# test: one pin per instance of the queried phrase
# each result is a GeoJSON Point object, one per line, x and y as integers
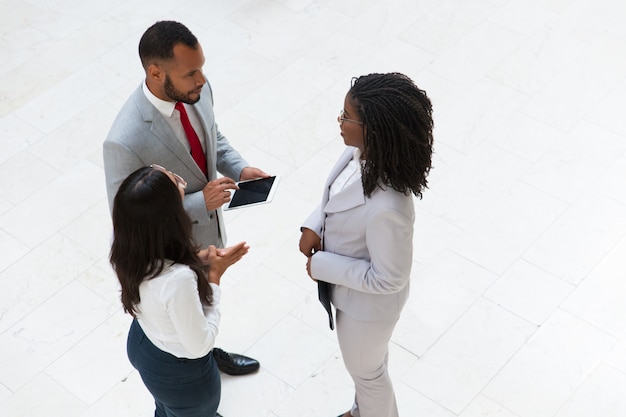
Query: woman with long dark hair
{"type": "Point", "coordinates": [172, 291]}
{"type": "Point", "coordinates": [359, 242]}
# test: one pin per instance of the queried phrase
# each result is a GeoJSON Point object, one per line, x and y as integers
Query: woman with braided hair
{"type": "Point", "coordinates": [359, 242]}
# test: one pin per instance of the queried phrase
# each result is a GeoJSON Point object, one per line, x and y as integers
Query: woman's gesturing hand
{"type": "Point", "coordinates": [220, 259]}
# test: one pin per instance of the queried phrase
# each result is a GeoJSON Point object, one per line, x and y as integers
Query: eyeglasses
{"type": "Point", "coordinates": [342, 119]}
{"type": "Point", "coordinates": [180, 181]}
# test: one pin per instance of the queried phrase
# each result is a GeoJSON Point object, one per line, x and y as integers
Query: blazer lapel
{"type": "Point", "coordinates": [351, 196]}
{"type": "Point", "coordinates": [163, 132]}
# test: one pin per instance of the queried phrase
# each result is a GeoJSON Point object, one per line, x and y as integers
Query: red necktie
{"type": "Point", "coordinates": [194, 142]}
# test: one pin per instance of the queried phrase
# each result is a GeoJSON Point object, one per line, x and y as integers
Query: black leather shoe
{"type": "Point", "coordinates": [233, 363]}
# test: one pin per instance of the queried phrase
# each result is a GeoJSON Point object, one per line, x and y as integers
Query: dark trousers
{"type": "Point", "coordinates": [180, 387]}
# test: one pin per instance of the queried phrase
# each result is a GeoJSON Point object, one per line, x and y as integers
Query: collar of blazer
{"type": "Point", "coordinates": [350, 197]}
{"type": "Point", "coordinates": [162, 131]}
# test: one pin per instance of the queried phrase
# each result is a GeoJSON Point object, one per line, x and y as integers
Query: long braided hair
{"type": "Point", "coordinates": [398, 132]}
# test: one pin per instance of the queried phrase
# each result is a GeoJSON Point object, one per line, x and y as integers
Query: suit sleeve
{"type": "Point", "coordinates": [389, 239]}
{"type": "Point", "coordinates": [119, 162]}
{"type": "Point", "coordinates": [314, 221]}
{"type": "Point", "coordinates": [230, 163]}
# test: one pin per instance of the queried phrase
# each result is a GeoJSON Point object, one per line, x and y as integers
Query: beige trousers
{"type": "Point", "coordinates": [365, 349]}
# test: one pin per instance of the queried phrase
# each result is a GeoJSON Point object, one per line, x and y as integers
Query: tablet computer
{"type": "Point", "coordinates": [253, 192]}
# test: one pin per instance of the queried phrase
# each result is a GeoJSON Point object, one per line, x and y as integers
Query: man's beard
{"type": "Point", "coordinates": [177, 95]}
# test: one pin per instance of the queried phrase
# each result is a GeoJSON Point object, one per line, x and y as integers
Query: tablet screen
{"type": "Point", "coordinates": [252, 192]}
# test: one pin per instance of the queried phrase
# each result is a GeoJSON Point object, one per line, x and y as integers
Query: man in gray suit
{"type": "Point", "coordinates": [169, 121]}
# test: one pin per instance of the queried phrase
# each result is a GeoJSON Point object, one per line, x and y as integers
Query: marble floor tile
{"type": "Point", "coordinates": [97, 363]}
{"type": "Point", "coordinates": [253, 395]}
{"type": "Point", "coordinates": [508, 227]}
{"type": "Point", "coordinates": [483, 406]}
{"type": "Point", "coordinates": [28, 83]}
{"type": "Point", "coordinates": [314, 25]}
{"type": "Point", "coordinates": [529, 292]}
{"type": "Point", "coordinates": [563, 352]}
{"type": "Point", "coordinates": [464, 194]}
{"type": "Point", "coordinates": [92, 230]}
{"type": "Point", "coordinates": [311, 312]}
{"type": "Point", "coordinates": [302, 135]}
{"type": "Point", "coordinates": [594, 87]}
{"type": "Point", "coordinates": [477, 113]}
{"type": "Point", "coordinates": [617, 357]}
{"type": "Point", "coordinates": [447, 23]}
{"type": "Point", "coordinates": [128, 398]}
{"type": "Point", "coordinates": [523, 16]}
{"type": "Point", "coordinates": [38, 340]}
{"type": "Point", "coordinates": [411, 402]}
{"type": "Point", "coordinates": [38, 217]}
{"type": "Point", "coordinates": [239, 75]}
{"type": "Point", "coordinates": [75, 139]}
{"type": "Point", "coordinates": [399, 56]}
{"type": "Point", "coordinates": [41, 396]}
{"type": "Point", "coordinates": [262, 16]}
{"type": "Point", "coordinates": [463, 361]}
{"type": "Point", "coordinates": [431, 236]}
{"type": "Point", "coordinates": [288, 262]}
{"type": "Point", "coordinates": [22, 289]}
{"type": "Point", "coordinates": [68, 94]}
{"type": "Point", "coordinates": [526, 137]}
{"type": "Point", "coordinates": [599, 299]}
{"type": "Point", "coordinates": [5, 205]}
{"type": "Point", "coordinates": [574, 245]}
{"type": "Point", "coordinates": [445, 161]}
{"type": "Point", "coordinates": [472, 58]}
{"type": "Point", "coordinates": [327, 392]}
{"type": "Point", "coordinates": [441, 293]}
{"type": "Point", "coordinates": [606, 113]}
{"type": "Point", "coordinates": [12, 251]}
{"type": "Point", "coordinates": [16, 180]}
{"type": "Point", "coordinates": [246, 316]}
{"type": "Point", "coordinates": [569, 171]}
{"type": "Point", "coordinates": [598, 396]}
{"type": "Point", "coordinates": [241, 129]}
{"type": "Point", "coordinates": [4, 393]}
{"type": "Point", "coordinates": [292, 351]}
{"type": "Point", "coordinates": [18, 43]}
{"type": "Point", "coordinates": [531, 65]}
{"type": "Point", "coordinates": [378, 23]}
{"type": "Point", "coordinates": [611, 184]}
{"type": "Point", "coordinates": [15, 136]}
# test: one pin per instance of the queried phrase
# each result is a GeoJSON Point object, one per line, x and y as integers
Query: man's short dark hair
{"type": "Point", "coordinates": [158, 41]}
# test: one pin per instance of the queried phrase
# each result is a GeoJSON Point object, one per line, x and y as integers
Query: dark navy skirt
{"type": "Point", "coordinates": [180, 387]}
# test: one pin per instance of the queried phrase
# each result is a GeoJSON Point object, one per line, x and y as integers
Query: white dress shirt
{"type": "Point", "coordinates": [172, 316]}
{"type": "Point", "coordinates": [172, 117]}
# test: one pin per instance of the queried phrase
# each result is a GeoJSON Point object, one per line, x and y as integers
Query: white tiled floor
{"type": "Point", "coordinates": [518, 305]}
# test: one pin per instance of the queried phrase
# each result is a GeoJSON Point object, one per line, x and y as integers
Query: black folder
{"type": "Point", "coordinates": [323, 293]}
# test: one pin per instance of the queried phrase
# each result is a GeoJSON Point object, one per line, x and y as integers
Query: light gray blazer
{"type": "Point", "coordinates": [140, 136]}
{"type": "Point", "coordinates": [367, 247]}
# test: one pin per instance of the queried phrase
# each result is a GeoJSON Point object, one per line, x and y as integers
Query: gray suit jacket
{"type": "Point", "coordinates": [367, 247]}
{"type": "Point", "coordinates": [140, 136]}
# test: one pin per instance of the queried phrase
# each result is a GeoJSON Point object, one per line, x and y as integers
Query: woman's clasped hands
{"type": "Point", "coordinates": [310, 243]}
